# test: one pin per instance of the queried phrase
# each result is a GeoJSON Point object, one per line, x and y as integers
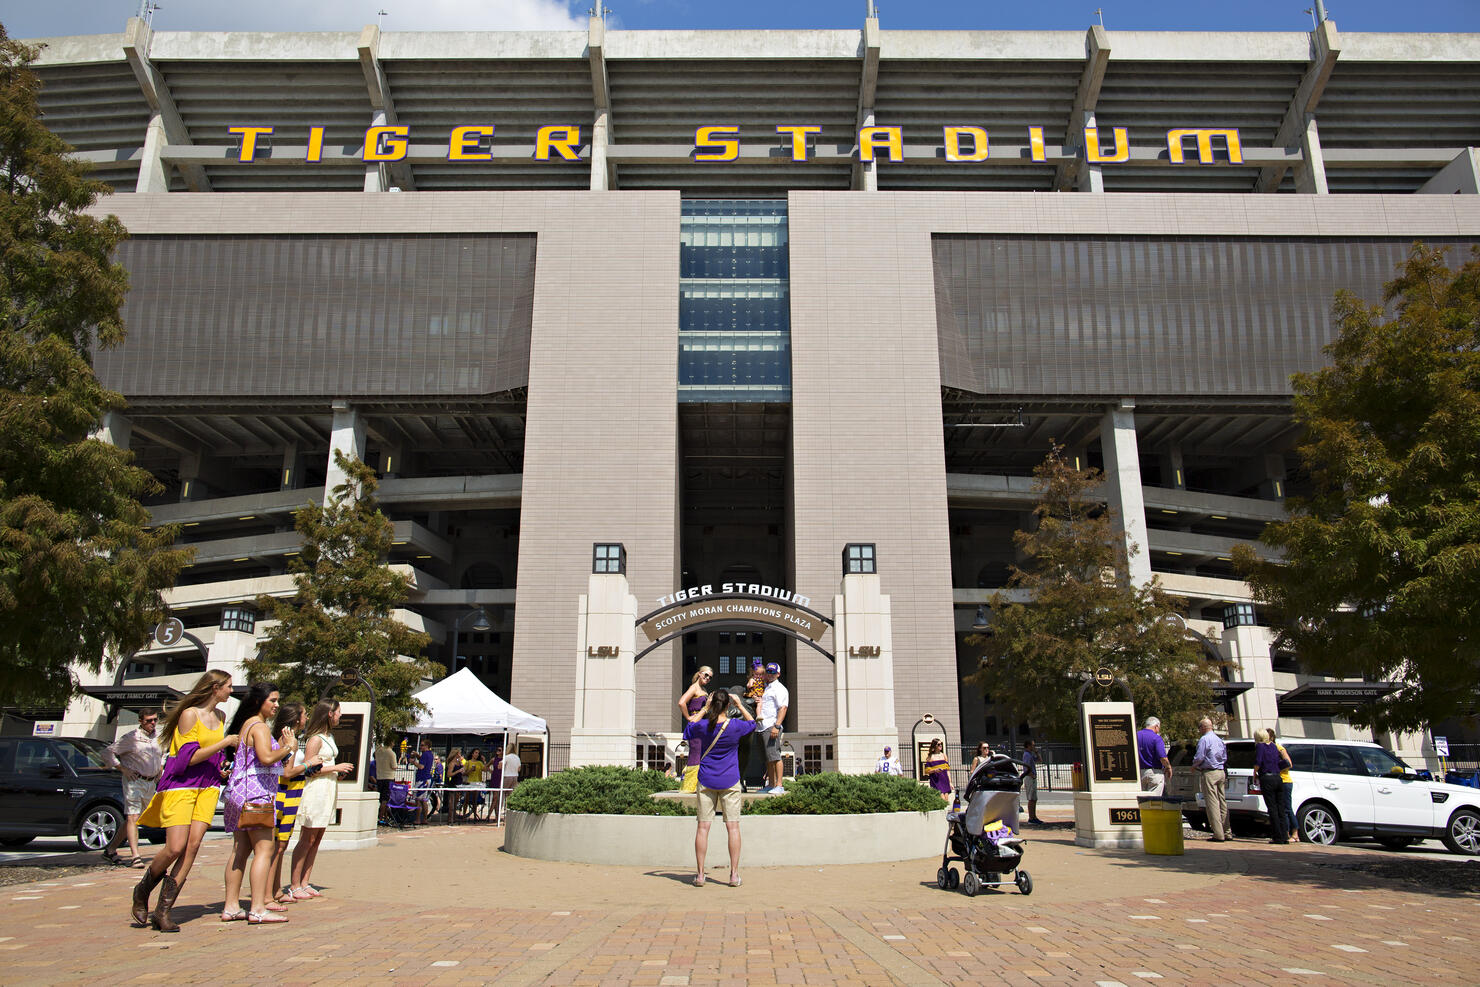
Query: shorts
{"type": "Point", "coordinates": [1030, 787]}
{"type": "Point", "coordinates": [727, 799]}
{"type": "Point", "coordinates": [181, 807]}
{"type": "Point", "coordinates": [773, 744]}
{"type": "Point", "coordinates": [384, 788]}
{"type": "Point", "coordinates": [136, 794]}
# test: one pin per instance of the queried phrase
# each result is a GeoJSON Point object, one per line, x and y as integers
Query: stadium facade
{"type": "Point", "coordinates": [737, 301]}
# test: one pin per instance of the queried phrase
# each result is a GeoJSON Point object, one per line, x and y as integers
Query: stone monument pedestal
{"type": "Point", "coordinates": [1096, 823]}
{"type": "Point", "coordinates": [355, 830]}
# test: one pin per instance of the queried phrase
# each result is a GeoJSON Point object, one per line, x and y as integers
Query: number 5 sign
{"type": "Point", "coordinates": [168, 632]}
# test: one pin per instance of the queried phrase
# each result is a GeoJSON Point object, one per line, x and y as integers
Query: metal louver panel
{"type": "Point", "coordinates": [324, 315]}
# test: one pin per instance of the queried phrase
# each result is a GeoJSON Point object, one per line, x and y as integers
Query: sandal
{"type": "Point", "coordinates": [735, 882]}
{"type": "Point", "coordinates": [311, 891]}
{"type": "Point", "coordinates": [138, 862]}
{"type": "Point", "coordinates": [233, 916]}
{"type": "Point", "coordinates": [299, 894]}
{"type": "Point", "coordinates": [698, 880]}
{"type": "Point", "coordinates": [114, 859]}
{"type": "Point", "coordinates": [265, 918]}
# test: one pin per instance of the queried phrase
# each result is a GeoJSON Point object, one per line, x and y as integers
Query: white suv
{"type": "Point", "coordinates": [1344, 788]}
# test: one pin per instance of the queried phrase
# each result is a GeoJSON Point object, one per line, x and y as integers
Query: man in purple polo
{"type": "Point", "coordinates": [1155, 768]}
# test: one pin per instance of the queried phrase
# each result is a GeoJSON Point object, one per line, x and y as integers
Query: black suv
{"type": "Point", "coordinates": [57, 787]}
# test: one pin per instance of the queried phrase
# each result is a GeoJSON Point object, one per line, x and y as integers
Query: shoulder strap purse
{"type": "Point", "coordinates": [717, 735]}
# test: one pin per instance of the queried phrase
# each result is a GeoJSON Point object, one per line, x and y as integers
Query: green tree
{"type": "Point", "coordinates": [1381, 571]}
{"type": "Point", "coordinates": [341, 619]}
{"type": "Point", "coordinates": [81, 572]}
{"type": "Point", "coordinates": [1072, 609]}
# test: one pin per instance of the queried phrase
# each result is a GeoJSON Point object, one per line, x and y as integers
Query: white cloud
{"type": "Point", "coordinates": [64, 17]}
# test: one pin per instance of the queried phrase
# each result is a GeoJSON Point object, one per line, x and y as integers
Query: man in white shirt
{"type": "Point", "coordinates": [889, 764]}
{"type": "Point", "coordinates": [139, 757]}
{"type": "Point", "coordinates": [509, 777]}
{"type": "Point", "coordinates": [775, 702]}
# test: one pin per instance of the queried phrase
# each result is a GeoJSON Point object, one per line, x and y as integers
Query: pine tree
{"type": "Point", "coordinates": [81, 572]}
{"type": "Point", "coordinates": [1073, 610]}
{"type": "Point", "coordinates": [342, 618]}
{"type": "Point", "coordinates": [1381, 571]}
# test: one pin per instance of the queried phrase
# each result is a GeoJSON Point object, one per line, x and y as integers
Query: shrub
{"type": "Point", "coordinates": [609, 790]}
{"type": "Point", "coordinates": [833, 793]}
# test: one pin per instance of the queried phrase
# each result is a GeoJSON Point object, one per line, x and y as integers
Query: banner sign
{"type": "Point", "coordinates": [729, 608]}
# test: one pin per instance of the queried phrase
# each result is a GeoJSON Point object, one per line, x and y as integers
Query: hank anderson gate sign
{"type": "Point", "coordinates": [734, 603]}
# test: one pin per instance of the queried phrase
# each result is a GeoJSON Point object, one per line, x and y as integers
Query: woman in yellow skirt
{"type": "Point", "coordinates": [186, 798]}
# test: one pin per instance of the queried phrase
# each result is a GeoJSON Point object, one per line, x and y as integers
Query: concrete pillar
{"type": "Point", "coordinates": [235, 641]}
{"type": "Point", "coordinates": [348, 437]}
{"type": "Point", "coordinates": [154, 176]}
{"type": "Point", "coordinates": [1247, 647]}
{"type": "Point", "coordinates": [1123, 486]}
{"type": "Point", "coordinates": [1459, 177]}
{"type": "Point", "coordinates": [1310, 173]}
{"type": "Point", "coordinates": [376, 179]}
{"type": "Point", "coordinates": [291, 477]}
{"type": "Point", "coordinates": [1173, 476]}
{"type": "Point", "coordinates": [116, 430]}
{"type": "Point", "coordinates": [392, 460]}
{"type": "Point", "coordinates": [1272, 486]}
{"type": "Point", "coordinates": [600, 138]}
{"type": "Point", "coordinates": [191, 486]}
{"type": "Point", "coordinates": [1088, 177]}
{"type": "Point", "coordinates": [605, 724]}
{"type": "Point", "coordinates": [864, 667]}
{"type": "Point", "coordinates": [866, 173]}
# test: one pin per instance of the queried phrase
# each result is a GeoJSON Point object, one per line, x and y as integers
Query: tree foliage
{"type": "Point", "coordinates": [81, 571]}
{"type": "Point", "coordinates": [342, 620]}
{"type": "Point", "coordinates": [1072, 609]}
{"type": "Point", "coordinates": [1381, 571]}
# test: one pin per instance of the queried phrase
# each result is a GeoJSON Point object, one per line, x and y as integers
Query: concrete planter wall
{"type": "Point", "coordinates": [769, 841]}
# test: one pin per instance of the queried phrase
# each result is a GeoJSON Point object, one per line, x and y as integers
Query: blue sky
{"type": "Point", "coordinates": [45, 18]}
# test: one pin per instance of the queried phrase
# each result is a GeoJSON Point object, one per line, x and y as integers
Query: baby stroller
{"type": "Point", "coordinates": [982, 832]}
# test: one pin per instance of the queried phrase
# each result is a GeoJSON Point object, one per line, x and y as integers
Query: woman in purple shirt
{"type": "Point", "coordinates": [1267, 763]}
{"type": "Point", "coordinates": [715, 737]}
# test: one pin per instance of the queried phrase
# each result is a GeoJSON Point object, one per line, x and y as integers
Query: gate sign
{"type": "Point", "coordinates": [730, 608]}
{"type": "Point", "coordinates": [170, 631]}
{"type": "Point", "coordinates": [1441, 746]}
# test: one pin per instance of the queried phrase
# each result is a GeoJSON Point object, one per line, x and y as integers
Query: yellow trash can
{"type": "Point", "coordinates": [1161, 827]}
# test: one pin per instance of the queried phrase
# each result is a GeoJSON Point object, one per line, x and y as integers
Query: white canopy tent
{"type": "Point", "coordinates": [460, 703]}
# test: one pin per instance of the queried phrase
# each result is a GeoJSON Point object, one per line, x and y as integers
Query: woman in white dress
{"type": "Point", "coordinates": [320, 791]}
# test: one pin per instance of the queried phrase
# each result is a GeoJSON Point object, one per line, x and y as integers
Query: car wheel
{"type": "Point", "coordinates": [1397, 842]}
{"type": "Point", "coordinates": [1318, 823]}
{"type": "Point", "coordinates": [1462, 835]}
{"type": "Point", "coordinates": [16, 842]}
{"type": "Point", "coordinates": [98, 826]}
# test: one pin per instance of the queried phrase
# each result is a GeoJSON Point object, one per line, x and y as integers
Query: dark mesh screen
{"type": "Point", "coordinates": [1059, 315]}
{"type": "Point", "coordinates": [346, 316]}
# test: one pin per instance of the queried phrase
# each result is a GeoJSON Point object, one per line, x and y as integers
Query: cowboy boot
{"type": "Point", "coordinates": [142, 891]}
{"type": "Point", "coordinates": [160, 918]}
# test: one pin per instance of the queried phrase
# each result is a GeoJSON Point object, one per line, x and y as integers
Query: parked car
{"type": "Point", "coordinates": [1340, 789]}
{"type": "Point", "coordinates": [57, 787]}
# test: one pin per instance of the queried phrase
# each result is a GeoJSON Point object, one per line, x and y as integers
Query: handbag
{"type": "Point", "coordinates": [260, 813]}
{"type": "Point", "coordinates": [690, 779]}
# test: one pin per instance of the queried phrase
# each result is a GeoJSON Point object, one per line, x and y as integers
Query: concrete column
{"type": "Point", "coordinates": [864, 667]}
{"type": "Point", "coordinates": [348, 436]}
{"type": "Point", "coordinates": [392, 460]}
{"type": "Point", "coordinates": [153, 175]}
{"type": "Point", "coordinates": [1272, 487]}
{"type": "Point", "coordinates": [1247, 648]}
{"type": "Point", "coordinates": [600, 138]}
{"type": "Point", "coordinates": [231, 648]}
{"type": "Point", "coordinates": [1088, 177]}
{"type": "Point", "coordinates": [866, 173]}
{"type": "Point", "coordinates": [1123, 486]}
{"type": "Point", "coordinates": [376, 179]}
{"type": "Point", "coordinates": [1459, 177]}
{"type": "Point", "coordinates": [191, 487]}
{"type": "Point", "coordinates": [116, 430]}
{"type": "Point", "coordinates": [1173, 476]}
{"type": "Point", "coordinates": [1310, 173]}
{"type": "Point", "coordinates": [291, 477]}
{"type": "Point", "coordinates": [604, 730]}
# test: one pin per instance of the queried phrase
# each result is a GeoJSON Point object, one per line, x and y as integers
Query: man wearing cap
{"type": "Point", "coordinates": [888, 764]}
{"type": "Point", "coordinates": [775, 702]}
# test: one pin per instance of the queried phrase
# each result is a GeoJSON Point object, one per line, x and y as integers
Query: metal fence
{"type": "Point", "coordinates": [1463, 757]}
{"type": "Point", "coordinates": [1055, 764]}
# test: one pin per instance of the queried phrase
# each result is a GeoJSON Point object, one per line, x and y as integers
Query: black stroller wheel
{"type": "Point", "coordinates": [971, 884]}
{"type": "Point", "coordinates": [1024, 882]}
{"type": "Point", "coordinates": [954, 877]}
{"type": "Point", "coordinates": [943, 878]}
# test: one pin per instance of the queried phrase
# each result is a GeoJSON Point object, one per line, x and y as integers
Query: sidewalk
{"type": "Point", "coordinates": [446, 906]}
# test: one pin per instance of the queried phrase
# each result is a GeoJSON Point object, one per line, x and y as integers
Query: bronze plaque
{"type": "Point", "coordinates": [1112, 745]}
{"type": "Point", "coordinates": [347, 736]}
{"type": "Point", "coordinates": [1126, 817]}
{"type": "Point", "coordinates": [729, 609]}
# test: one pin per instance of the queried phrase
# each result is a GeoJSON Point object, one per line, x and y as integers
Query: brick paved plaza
{"type": "Point", "coordinates": [446, 906]}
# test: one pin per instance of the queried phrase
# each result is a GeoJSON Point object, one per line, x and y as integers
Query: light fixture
{"type": "Point", "coordinates": [979, 623]}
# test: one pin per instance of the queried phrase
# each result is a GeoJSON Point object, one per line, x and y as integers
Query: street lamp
{"type": "Point", "coordinates": [979, 622]}
{"type": "Point", "coordinates": [480, 623]}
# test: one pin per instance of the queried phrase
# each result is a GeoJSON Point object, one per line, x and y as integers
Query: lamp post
{"type": "Point", "coordinates": [480, 623]}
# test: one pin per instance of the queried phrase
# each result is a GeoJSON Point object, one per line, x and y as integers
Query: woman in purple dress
{"type": "Point", "coordinates": [254, 781]}
{"type": "Point", "coordinates": [938, 768]}
{"type": "Point", "coordinates": [715, 736]}
{"type": "Point", "coordinates": [691, 703]}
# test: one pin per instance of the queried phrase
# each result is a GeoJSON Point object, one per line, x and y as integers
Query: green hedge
{"type": "Point", "coordinates": [833, 793]}
{"type": "Point", "coordinates": [628, 792]}
{"type": "Point", "coordinates": [614, 791]}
